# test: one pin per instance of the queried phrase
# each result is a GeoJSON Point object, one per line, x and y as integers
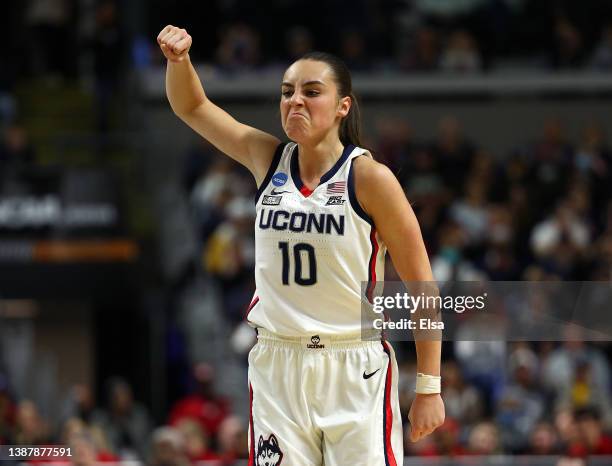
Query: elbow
{"type": "Point", "coordinates": [184, 111]}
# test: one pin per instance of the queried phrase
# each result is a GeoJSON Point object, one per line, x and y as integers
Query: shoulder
{"type": "Point", "coordinates": [367, 170]}
{"type": "Point", "coordinates": [374, 182]}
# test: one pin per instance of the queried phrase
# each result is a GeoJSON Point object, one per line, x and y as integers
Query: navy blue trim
{"type": "Point", "coordinates": [370, 292]}
{"type": "Point", "coordinates": [295, 167]}
{"type": "Point", "coordinates": [273, 166]}
{"type": "Point", "coordinates": [385, 406]}
{"type": "Point", "coordinates": [353, 197]}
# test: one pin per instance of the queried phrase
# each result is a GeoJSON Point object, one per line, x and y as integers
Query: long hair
{"type": "Point", "coordinates": [350, 126]}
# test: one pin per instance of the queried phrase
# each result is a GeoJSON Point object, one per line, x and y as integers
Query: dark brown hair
{"type": "Point", "coordinates": [350, 126]}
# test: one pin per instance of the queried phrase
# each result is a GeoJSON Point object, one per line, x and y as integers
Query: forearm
{"type": "Point", "coordinates": [429, 353]}
{"type": "Point", "coordinates": [183, 86]}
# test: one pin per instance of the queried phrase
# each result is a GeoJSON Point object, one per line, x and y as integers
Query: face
{"type": "Point", "coordinates": [310, 106]}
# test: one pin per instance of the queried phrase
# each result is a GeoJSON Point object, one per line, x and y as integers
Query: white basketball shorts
{"type": "Point", "coordinates": [323, 401]}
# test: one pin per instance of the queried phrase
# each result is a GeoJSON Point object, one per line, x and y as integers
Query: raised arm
{"type": "Point", "coordinates": [383, 199]}
{"type": "Point", "coordinates": [251, 147]}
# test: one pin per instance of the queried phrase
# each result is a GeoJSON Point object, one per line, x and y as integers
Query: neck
{"type": "Point", "coordinates": [316, 159]}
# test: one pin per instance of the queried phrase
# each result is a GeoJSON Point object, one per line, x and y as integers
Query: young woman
{"type": "Point", "coordinates": [326, 213]}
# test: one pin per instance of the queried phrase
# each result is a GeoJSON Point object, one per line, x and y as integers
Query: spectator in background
{"type": "Point", "coordinates": [558, 370]}
{"type": "Point", "coordinates": [447, 438]}
{"type": "Point", "coordinates": [353, 50]}
{"type": "Point", "coordinates": [80, 403]}
{"type": "Point", "coordinates": [461, 54]}
{"type": "Point", "coordinates": [583, 393]}
{"type": "Point", "coordinates": [593, 440]}
{"type": "Point", "coordinates": [204, 405]}
{"type": "Point", "coordinates": [232, 440]}
{"type": "Point", "coordinates": [520, 405]}
{"type": "Point", "coordinates": [484, 439]}
{"type": "Point", "coordinates": [83, 450]}
{"type": "Point", "coordinates": [395, 144]}
{"type": "Point", "coordinates": [567, 428]}
{"type": "Point", "coordinates": [602, 57]}
{"type": "Point", "coordinates": [543, 440]}
{"type": "Point", "coordinates": [551, 164]}
{"type": "Point", "coordinates": [453, 153]}
{"type": "Point", "coordinates": [423, 54]}
{"type": "Point", "coordinates": [425, 188]}
{"type": "Point", "coordinates": [471, 212]}
{"type": "Point", "coordinates": [500, 261]}
{"type": "Point", "coordinates": [568, 44]}
{"type": "Point", "coordinates": [299, 42]}
{"type": "Point", "coordinates": [108, 48]}
{"type": "Point", "coordinates": [196, 441]}
{"type": "Point", "coordinates": [16, 151]}
{"type": "Point", "coordinates": [168, 448]}
{"type": "Point", "coordinates": [30, 428]}
{"type": "Point", "coordinates": [462, 402]}
{"type": "Point", "coordinates": [558, 240]}
{"type": "Point", "coordinates": [449, 263]}
{"type": "Point", "coordinates": [593, 161]}
{"type": "Point", "coordinates": [126, 423]}
{"type": "Point", "coordinates": [238, 49]}
{"type": "Point", "coordinates": [49, 22]}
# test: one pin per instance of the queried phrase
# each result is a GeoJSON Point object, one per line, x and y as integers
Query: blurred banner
{"type": "Point", "coordinates": [62, 215]}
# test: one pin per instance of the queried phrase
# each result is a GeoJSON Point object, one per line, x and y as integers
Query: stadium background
{"type": "Point", "coordinates": [126, 249]}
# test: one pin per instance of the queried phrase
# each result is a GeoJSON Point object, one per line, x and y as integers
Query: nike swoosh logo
{"type": "Point", "coordinates": [276, 193]}
{"type": "Point", "coordinates": [367, 376]}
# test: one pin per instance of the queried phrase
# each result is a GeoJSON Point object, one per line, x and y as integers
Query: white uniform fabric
{"type": "Point", "coordinates": [323, 401]}
{"type": "Point", "coordinates": [320, 395]}
{"type": "Point", "coordinates": [313, 250]}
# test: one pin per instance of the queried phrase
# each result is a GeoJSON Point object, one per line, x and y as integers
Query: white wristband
{"type": "Point", "coordinates": [427, 384]}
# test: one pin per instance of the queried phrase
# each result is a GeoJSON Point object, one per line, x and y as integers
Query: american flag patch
{"type": "Point", "coordinates": [336, 187]}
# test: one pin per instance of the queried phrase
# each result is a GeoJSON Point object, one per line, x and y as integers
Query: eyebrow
{"type": "Point", "coordinates": [307, 83]}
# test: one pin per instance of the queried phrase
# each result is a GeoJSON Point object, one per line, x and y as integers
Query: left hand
{"type": "Point", "coordinates": [426, 415]}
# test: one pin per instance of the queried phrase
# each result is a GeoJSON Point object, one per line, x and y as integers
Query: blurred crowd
{"type": "Point", "coordinates": [467, 36]}
{"type": "Point", "coordinates": [200, 426]}
{"type": "Point", "coordinates": [399, 36]}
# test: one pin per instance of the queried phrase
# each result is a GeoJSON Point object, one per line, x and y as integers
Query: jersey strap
{"type": "Point", "coordinates": [275, 161]}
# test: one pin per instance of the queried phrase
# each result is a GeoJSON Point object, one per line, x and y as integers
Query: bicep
{"type": "Point", "coordinates": [384, 200]}
{"type": "Point", "coordinates": [249, 146]}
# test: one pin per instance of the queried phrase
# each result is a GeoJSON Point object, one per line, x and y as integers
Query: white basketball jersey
{"type": "Point", "coordinates": [313, 250]}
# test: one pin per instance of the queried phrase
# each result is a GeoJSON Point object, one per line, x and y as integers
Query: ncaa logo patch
{"type": "Point", "coordinates": [279, 179]}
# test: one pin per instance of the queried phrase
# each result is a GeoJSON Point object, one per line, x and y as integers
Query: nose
{"type": "Point", "coordinates": [296, 99]}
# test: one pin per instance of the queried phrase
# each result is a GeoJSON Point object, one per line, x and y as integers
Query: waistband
{"type": "Point", "coordinates": [319, 341]}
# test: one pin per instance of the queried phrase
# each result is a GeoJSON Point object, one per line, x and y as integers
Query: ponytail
{"type": "Point", "coordinates": [350, 126]}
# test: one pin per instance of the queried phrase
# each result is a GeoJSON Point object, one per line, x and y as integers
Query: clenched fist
{"type": "Point", "coordinates": [426, 415]}
{"type": "Point", "coordinates": [174, 43]}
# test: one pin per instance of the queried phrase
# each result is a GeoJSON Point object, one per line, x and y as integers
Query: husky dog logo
{"type": "Point", "coordinates": [268, 452]}
{"type": "Point", "coordinates": [314, 342]}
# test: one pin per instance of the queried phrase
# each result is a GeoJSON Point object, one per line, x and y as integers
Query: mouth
{"type": "Point", "coordinates": [294, 115]}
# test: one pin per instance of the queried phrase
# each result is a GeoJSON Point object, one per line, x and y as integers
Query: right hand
{"type": "Point", "coordinates": [174, 43]}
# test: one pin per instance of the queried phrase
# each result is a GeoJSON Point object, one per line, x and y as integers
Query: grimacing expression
{"type": "Point", "coordinates": [310, 105]}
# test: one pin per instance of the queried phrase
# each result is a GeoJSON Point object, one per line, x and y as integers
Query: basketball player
{"type": "Point", "coordinates": [326, 213]}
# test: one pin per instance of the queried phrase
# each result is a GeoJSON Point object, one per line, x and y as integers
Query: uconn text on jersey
{"type": "Point", "coordinates": [326, 224]}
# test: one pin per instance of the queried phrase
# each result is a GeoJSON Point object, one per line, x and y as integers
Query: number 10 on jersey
{"type": "Point", "coordinates": [301, 252]}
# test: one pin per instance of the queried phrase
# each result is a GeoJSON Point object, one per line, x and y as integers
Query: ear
{"type": "Point", "coordinates": [273, 440]}
{"type": "Point", "coordinates": [344, 105]}
{"type": "Point", "coordinates": [260, 446]}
